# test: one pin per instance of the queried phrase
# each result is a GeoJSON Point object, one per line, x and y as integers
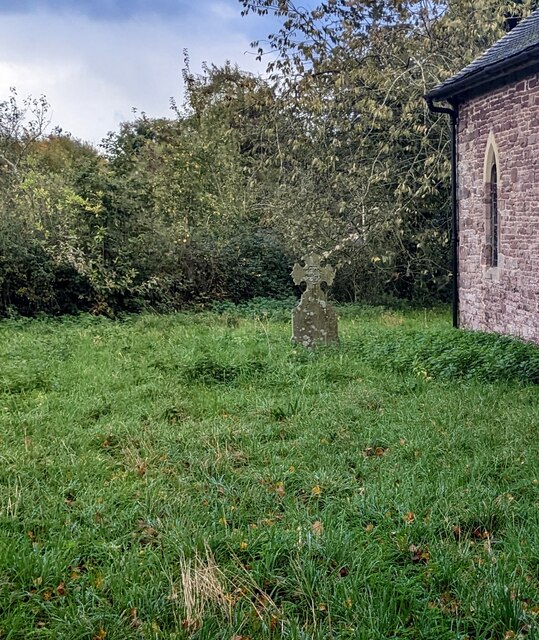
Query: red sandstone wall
{"type": "Point", "coordinates": [503, 299]}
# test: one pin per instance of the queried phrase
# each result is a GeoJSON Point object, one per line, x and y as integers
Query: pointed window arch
{"type": "Point", "coordinates": [491, 181]}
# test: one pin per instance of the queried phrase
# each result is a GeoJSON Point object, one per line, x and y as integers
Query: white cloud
{"type": "Point", "coordinates": [94, 72]}
{"type": "Point", "coordinates": [223, 10]}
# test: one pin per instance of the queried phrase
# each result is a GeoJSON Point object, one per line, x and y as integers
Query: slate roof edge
{"type": "Point", "coordinates": [485, 75]}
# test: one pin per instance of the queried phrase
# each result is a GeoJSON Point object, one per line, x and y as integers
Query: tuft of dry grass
{"type": "Point", "coordinates": [203, 585]}
{"type": "Point", "coordinates": [391, 319]}
{"type": "Point", "coordinates": [10, 501]}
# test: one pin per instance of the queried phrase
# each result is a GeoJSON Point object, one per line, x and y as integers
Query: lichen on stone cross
{"type": "Point", "coordinates": [314, 320]}
{"type": "Point", "coordinates": [313, 274]}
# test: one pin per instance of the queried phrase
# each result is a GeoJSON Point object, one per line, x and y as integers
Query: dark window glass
{"type": "Point", "coordinates": [494, 231]}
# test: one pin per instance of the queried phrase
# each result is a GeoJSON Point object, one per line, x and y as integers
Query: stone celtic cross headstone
{"type": "Point", "coordinates": [314, 320]}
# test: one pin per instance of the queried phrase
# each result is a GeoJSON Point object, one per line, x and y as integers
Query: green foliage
{"type": "Point", "coordinates": [259, 307]}
{"type": "Point", "coordinates": [164, 220]}
{"type": "Point", "coordinates": [449, 354]}
{"type": "Point", "coordinates": [255, 265]}
{"type": "Point", "coordinates": [206, 369]}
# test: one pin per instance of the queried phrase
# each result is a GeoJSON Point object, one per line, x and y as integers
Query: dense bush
{"type": "Point", "coordinates": [162, 221]}
{"type": "Point", "coordinates": [450, 354]}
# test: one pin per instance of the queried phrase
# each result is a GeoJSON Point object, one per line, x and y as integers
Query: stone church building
{"type": "Point", "coordinates": [494, 109]}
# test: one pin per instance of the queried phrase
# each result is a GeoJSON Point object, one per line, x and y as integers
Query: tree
{"type": "Point", "coordinates": [21, 125]}
{"type": "Point", "coordinates": [367, 166]}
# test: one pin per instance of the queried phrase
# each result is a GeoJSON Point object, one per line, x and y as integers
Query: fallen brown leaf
{"type": "Point", "coordinates": [318, 528]}
{"type": "Point", "coordinates": [409, 517]}
{"type": "Point", "coordinates": [419, 554]}
{"type": "Point", "coordinates": [377, 452]}
{"type": "Point", "coordinates": [135, 620]}
{"type": "Point", "coordinates": [449, 604]}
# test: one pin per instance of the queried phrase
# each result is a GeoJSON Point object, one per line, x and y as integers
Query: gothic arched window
{"type": "Point", "coordinates": [494, 218]}
{"type": "Point", "coordinates": [492, 214]}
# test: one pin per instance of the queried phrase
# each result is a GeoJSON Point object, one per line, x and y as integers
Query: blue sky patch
{"type": "Point", "coordinates": [101, 9]}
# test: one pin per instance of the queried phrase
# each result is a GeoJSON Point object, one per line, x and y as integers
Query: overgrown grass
{"type": "Point", "coordinates": [198, 476]}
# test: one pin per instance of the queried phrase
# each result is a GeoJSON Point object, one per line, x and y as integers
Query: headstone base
{"type": "Point", "coordinates": [314, 322]}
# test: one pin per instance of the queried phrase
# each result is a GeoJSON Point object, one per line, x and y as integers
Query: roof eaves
{"type": "Point", "coordinates": [503, 57]}
{"type": "Point", "coordinates": [454, 87]}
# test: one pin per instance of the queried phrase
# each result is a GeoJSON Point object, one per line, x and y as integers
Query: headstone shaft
{"type": "Point", "coordinates": [314, 320]}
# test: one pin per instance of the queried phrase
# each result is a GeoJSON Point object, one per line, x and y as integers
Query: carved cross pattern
{"type": "Point", "coordinates": [313, 274]}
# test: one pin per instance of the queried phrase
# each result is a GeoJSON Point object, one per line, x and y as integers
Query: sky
{"type": "Point", "coordinates": [96, 60]}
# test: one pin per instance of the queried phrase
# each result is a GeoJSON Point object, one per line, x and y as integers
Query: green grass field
{"type": "Point", "coordinates": [198, 476]}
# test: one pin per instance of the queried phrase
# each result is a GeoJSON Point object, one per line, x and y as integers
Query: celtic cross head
{"type": "Point", "coordinates": [313, 274]}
